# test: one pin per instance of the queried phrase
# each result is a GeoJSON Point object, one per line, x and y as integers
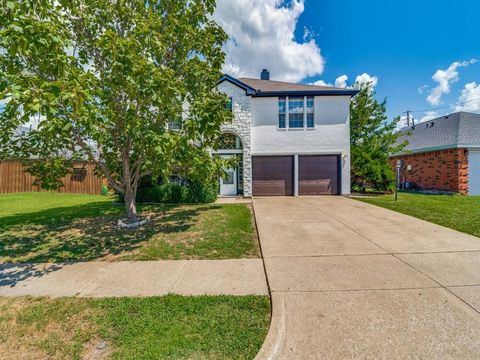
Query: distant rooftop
{"type": "Point", "coordinates": [457, 130]}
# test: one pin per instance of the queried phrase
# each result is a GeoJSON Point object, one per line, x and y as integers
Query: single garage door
{"type": "Point", "coordinates": [318, 175]}
{"type": "Point", "coordinates": [272, 175]}
{"type": "Point", "coordinates": [474, 172]}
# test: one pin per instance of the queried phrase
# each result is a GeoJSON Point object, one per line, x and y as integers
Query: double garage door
{"type": "Point", "coordinates": [274, 175]}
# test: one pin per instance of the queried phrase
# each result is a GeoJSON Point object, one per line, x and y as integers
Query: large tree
{"type": "Point", "coordinates": [106, 77]}
{"type": "Point", "coordinates": [373, 138]}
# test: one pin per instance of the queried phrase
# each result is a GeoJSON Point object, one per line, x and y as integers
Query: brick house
{"type": "Point", "coordinates": [443, 154]}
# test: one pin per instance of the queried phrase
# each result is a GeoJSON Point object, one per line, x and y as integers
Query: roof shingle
{"type": "Point", "coordinates": [461, 129]}
{"type": "Point", "coordinates": [271, 85]}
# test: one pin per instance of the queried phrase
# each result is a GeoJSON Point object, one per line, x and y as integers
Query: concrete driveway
{"type": "Point", "coordinates": [355, 281]}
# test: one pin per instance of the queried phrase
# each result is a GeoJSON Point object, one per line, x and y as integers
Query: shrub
{"type": "Point", "coordinates": [193, 192]}
{"type": "Point", "coordinates": [198, 192]}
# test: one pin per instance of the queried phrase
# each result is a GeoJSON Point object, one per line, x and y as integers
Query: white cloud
{"type": "Point", "coordinates": [321, 83]}
{"type": "Point", "coordinates": [341, 81]}
{"type": "Point", "coordinates": [445, 78]}
{"type": "Point", "coordinates": [262, 36]}
{"type": "Point", "coordinates": [422, 89]}
{"type": "Point", "coordinates": [366, 78]}
{"type": "Point", "coordinates": [469, 100]}
{"type": "Point", "coordinates": [429, 115]}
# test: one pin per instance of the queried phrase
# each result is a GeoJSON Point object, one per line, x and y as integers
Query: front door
{"type": "Point", "coordinates": [228, 183]}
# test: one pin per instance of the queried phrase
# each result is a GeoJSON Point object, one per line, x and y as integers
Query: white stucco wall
{"type": "Point", "coordinates": [331, 134]}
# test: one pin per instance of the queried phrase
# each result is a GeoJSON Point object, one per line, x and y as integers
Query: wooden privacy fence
{"type": "Point", "coordinates": [14, 178]}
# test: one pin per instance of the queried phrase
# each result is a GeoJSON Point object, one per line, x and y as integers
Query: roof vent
{"type": "Point", "coordinates": [265, 75]}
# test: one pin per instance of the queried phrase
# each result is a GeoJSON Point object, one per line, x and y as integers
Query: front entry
{"type": "Point", "coordinates": [228, 183]}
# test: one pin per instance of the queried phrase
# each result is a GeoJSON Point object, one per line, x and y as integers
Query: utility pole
{"type": "Point", "coordinates": [408, 118]}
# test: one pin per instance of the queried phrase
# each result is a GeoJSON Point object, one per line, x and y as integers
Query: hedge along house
{"type": "Point", "coordinates": [443, 154]}
{"type": "Point", "coordinates": [290, 139]}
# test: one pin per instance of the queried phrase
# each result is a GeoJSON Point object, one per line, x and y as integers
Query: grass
{"type": "Point", "coordinates": [457, 212]}
{"type": "Point", "coordinates": [168, 327]}
{"type": "Point", "coordinates": [49, 227]}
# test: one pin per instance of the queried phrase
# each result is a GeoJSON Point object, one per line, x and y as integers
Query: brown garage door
{"type": "Point", "coordinates": [318, 175]}
{"type": "Point", "coordinates": [272, 175]}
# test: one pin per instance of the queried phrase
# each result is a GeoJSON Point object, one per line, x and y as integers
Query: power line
{"type": "Point", "coordinates": [442, 107]}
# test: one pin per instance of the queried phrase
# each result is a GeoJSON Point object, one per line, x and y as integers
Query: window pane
{"type": "Point", "coordinates": [281, 121]}
{"type": "Point", "coordinates": [310, 120]}
{"type": "Point", "coordinates": [310, 104]}
{"type": "Point", "coordinates": [295, 120]}
{"type": "Point", "coordinates": [281, 105]}
{"type": "Point", "coordinates": [174, 125]}
{"type": "Point", "coordinates": [228, 141]}
{"type": "Point", "coordinates": [295, 105]}
{"type": "Point", "coordinates": [229, 105]}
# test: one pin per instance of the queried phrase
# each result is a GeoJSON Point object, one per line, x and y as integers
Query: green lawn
{"type": "Point", "coordinates": [51, 227]}
{"type": "Point", "coordinates": [169, 327]}
{"type": "Point", "coordinates": [458, 212]}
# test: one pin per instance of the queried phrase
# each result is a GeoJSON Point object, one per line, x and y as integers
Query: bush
{"type": "Point", "coordinates": [198, 192]}
{"type": "Point", "coordinates": [193, 193]}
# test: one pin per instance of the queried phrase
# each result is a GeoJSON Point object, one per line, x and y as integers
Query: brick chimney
{"type": "Point", "coordinates": [265, 75]}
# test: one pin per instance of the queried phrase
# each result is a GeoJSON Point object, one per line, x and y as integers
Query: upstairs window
{"type": "Point", "coordinates": [282, 112]}
{"type": "Point", "coordinates": [229, 105]}
{"type": "Point", "coordinates": [310, 112]}
{"type": "Point", "coordinates": [295, 112]}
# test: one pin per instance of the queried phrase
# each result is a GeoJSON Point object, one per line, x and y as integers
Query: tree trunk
{"type": "Point", "coordinates": [130, 206]}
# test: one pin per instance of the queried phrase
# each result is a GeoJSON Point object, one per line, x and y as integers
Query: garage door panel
{"type": "Point", "coordinates": [272, 175]}
{"type": "Point", "coordinates": [318, 175]}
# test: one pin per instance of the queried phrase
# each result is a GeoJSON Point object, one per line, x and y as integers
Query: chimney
{"type": "Point", "coordinates": [265, 75]}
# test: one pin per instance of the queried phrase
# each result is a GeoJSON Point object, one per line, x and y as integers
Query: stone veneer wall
{"type": "Point", "coordinates": [444, 170]}
{"type": "Point", "coordinates": [241, 126]}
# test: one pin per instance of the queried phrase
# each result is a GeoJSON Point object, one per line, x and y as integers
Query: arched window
{"type": "Point", "coordinates": [229, 141]}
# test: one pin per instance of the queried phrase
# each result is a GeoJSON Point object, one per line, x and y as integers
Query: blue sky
{"type": "Point", "coordinates": [403, 43]}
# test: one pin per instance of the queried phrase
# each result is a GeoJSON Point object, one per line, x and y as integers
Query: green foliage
{"type": "Point", "coordinates": [194, 192]}
{"type": "Point", "coordinates": [372, 140]}
{"type": "Point", "coordinates": [106, 78]}
{"type": "Point", "coordinates": [201, 192]}
{"type": "Point", "coordinates": [48, 173]}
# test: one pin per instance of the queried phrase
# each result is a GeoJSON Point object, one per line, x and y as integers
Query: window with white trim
{"type": "Point", "coordinates": [282, 112]}
{"type": "Point", "coordinates": [229, 105]}
{"type": "Point", "coordinates": [310, 112]}
{"type": "Point", "coordinates": [296, 112]}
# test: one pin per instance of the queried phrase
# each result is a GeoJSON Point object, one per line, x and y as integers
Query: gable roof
{"type": "Point", "coordinates": [457, 130]}
{"type": "Point", "coordinates": [262, 88]}
{"type": "Point", "coordinates": [249, 90]}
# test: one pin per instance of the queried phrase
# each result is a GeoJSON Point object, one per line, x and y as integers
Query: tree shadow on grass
{"type": "Point", "coordinates": [85, 232]}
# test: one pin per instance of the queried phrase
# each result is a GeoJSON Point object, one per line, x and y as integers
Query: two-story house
{"type": "Point", "coordinates": [290, 139]}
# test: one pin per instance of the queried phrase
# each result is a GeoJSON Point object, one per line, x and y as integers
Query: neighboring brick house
{"type": "Point", "coordinates": [443, 154]}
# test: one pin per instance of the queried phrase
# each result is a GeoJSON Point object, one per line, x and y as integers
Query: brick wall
{"type": "Point", "coordinates": [445, 170]}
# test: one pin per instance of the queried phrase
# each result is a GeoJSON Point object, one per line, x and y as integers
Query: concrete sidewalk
{"type": "Point", "coordinates": [351, 280]}
{"type": "Point", "coordinates": [138, 278]}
